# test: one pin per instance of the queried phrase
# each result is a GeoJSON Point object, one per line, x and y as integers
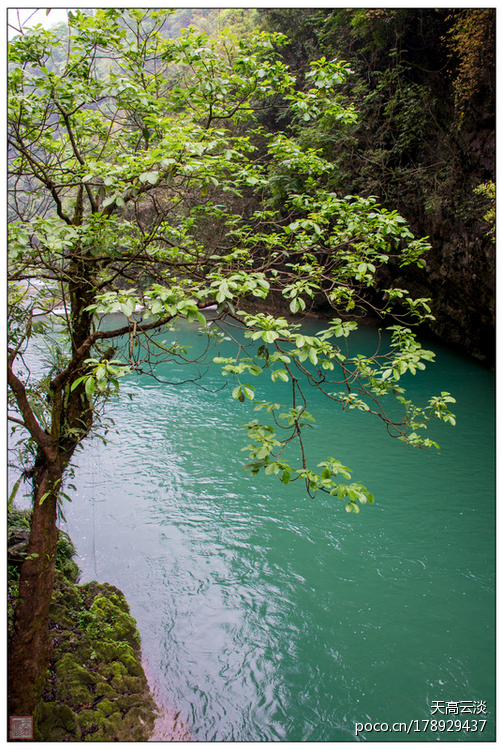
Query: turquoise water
{"type": "Point", "coordinates": [267, 615]}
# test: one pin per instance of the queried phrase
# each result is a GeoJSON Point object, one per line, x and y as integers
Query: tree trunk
{"type": "Point", "coordinates": [71, 419]}
{"type": "Point", "coordinates": [30, 648]}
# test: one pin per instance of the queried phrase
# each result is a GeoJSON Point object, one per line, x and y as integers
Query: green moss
{"type": "Point", "coordinates": [74, 682]}
{"type": "Point", "coordinates": [69, 569]}
{"type": "Point", "coordinates": [104, 689]}
{"type": "Point", "coordinates": [126, 702]}
{"type": "Point", "coordinates": [96, 677]}
{"type": "Point", "coordinates": [107, 707]}
{"type": "Point", "coordinates": [114, 674]}
{"type": "Point", "coordinates": [112, 612]}
{"type": "Point", "coordinates": [55, 720]}
{"type": "Point", "coordinates": [112, 651]}
{"type": "Point", "coordinates": [134, 726]}
{"type": "Point", "coordinates": [64, 557]}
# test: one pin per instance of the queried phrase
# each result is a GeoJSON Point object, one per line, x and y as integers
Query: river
{"type": "Point", "coordinates": [267, 615]}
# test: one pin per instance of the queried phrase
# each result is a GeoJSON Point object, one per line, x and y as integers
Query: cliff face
{"type": "Point", "coordinates": [460, 268]}
{"type": "Point", "coordinates": [424, 89]}
{"type": "Point", "coordinates": [460, 279]}
{"type": "Point", "coordinates": [460, 272]}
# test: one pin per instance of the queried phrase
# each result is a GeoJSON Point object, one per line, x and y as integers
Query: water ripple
{"type": "Point", "coordinates": [269, 616]}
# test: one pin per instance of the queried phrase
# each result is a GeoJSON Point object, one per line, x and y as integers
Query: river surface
{"type": "Point", "coordinates": [267, 615]}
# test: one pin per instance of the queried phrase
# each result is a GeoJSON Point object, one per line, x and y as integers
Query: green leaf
{"type": "Point", "coordinates": [90, 386]}
{"type": "Point", "coordinates": [76, 382]}
{"type": "Point", "coordinates": [270, 336]}
{"type": "Point", "coordinates": [13, 494]}
{"type": "Point", "coordinates": [44, 497]}
{"type": "Point", "coordinates": [127, 308]}
{"type": "Point", "coordinates": [150, 177]}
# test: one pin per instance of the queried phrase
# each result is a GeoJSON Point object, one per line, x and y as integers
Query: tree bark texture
{"type": "Point", "coordinates": [31, 648]}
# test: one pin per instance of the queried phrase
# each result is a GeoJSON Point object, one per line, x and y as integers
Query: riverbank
{"type": "Point", "coordinates": [96, 688]}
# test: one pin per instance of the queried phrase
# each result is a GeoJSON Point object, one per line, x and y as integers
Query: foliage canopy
{"type": "Point", "coordinates": [142, 182]}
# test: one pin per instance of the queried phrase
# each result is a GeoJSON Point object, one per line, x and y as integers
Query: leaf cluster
{"type": "Point", "coordinates": [159, 193]}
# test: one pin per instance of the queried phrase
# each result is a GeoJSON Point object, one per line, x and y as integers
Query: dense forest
{"type": "Point", "coordinates": [264, 163]}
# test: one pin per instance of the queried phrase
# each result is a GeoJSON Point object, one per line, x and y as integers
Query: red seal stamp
{"type": "Point", "coordinates": [21, 727]}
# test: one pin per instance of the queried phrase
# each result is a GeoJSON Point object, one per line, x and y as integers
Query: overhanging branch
{"type": "Point", "coordinates": [63, 377]}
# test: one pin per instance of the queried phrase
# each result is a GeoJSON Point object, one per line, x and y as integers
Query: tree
{"type": "Point", "coordinates": [141, 183]}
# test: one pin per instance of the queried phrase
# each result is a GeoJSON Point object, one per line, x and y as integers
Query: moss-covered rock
{"type": "Point", "coordinates": [111, 612]}
{"type": "Point", "coordinates": [96, 688]}
{"type": "Point", "coordinates": [55, 721]}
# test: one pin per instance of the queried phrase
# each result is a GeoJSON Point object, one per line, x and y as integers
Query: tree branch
{"type": "Point", "coordinates": [38, 434]}
{"type": "Point", "coordinates": [17, 421]}
{"type": "Point", "coordinates": [39, 173]}
{"type": "Point", "coordinates": [63, 377]}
